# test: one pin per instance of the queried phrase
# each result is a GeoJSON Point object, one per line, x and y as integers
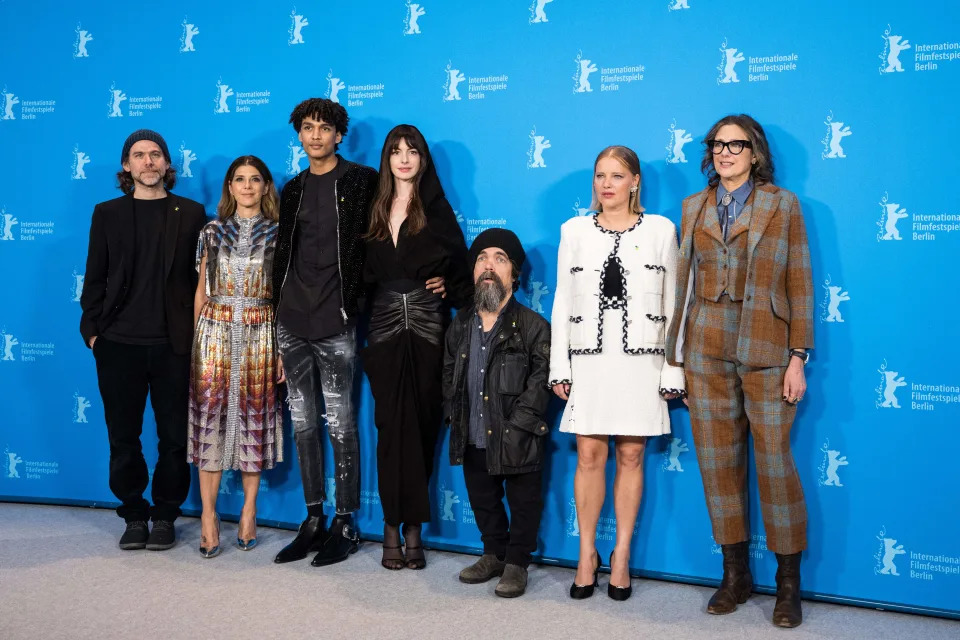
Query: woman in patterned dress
{"type": "Point", "coordinates": [235, 414]}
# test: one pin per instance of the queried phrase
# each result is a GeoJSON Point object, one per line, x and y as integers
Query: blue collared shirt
{"type": "Point", "coordinates": [729, 214]}
{"type": "Point", "coordinates": [481, 344]}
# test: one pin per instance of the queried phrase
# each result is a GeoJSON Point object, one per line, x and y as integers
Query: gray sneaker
{"type": "Point", "coordinates": [513, 583]}
{"type": "Point", "coordinates": [482, 570]}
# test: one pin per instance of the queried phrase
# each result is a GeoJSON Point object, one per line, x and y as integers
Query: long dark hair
{"type": "Point", "coordinates": [762, 171]}
{"type": "Point", "coordinates": [423, 184]}
{"type": "Point", "coordinates": [269, 205]}
{"type": "Point", "coordinates": [126, 184]}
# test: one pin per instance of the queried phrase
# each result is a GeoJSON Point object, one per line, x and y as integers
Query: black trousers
{"type": "Point", "coordinates": [126, 373]}
{"type": "Point", "coordinates": [512, 540]}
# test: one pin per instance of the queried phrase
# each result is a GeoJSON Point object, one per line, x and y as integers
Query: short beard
{"type": "Point", "coordinates": [489, 297]}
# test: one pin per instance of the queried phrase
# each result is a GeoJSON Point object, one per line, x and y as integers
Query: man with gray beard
{"type": "Point", "coordinates": [494, 389]}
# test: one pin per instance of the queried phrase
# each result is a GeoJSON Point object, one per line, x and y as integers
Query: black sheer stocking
{"type": "Point", "coordinates": [393, 558]}
{"type": "Point", "coordinates": [414, 547]}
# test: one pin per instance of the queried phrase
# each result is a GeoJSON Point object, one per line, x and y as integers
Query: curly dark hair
{"type": "Point", "coordinates": [320, 109]}
{"type": "Point", "coordinates": [125, 180]}
{"type": "Point", "coordinates": [762, 171]}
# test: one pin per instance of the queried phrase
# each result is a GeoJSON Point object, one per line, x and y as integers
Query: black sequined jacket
{"type": "Point", "coordinates": [354, 192]}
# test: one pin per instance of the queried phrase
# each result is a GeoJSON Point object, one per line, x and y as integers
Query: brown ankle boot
{"type": "Point", "coordinates": [737, 582]}
{"type": "Point", "coordinates": [787, 612]}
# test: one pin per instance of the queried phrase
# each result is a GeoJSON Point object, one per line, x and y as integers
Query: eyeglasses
{"type": "Point", "coordinates": [735, 147]}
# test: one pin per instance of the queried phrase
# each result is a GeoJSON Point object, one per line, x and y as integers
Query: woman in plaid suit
{"type": "Point", "coordinates": [745, 287]}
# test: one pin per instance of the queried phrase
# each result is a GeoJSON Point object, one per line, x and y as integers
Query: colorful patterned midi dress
{"type": "Point", "coordinates": [235, 414]}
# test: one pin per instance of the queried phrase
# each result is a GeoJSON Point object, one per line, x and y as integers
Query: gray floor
{"type": "Point", "coordinates": [62, 576]}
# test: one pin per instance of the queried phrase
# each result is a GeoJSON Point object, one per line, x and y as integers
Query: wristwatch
{"type": "Point", "coordinates": [803, 355]}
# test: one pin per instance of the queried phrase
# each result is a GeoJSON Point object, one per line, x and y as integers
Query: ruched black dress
{"type": "Point", "coordinates": [404, 354]}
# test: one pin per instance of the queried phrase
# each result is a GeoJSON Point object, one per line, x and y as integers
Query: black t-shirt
{"type": "Point", "coordinates": [311, 302]}
{"type": "Point", "coordinates": [612, 278]}
{"type": "Point", "coordinates": [143, 319]}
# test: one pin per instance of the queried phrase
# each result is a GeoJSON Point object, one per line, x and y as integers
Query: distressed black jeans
{"type": "Point", "coordinates": [324, 368]}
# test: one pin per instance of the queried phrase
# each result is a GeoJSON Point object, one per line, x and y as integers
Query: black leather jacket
{"type": "Point", "coordinates": [515, 387]}
{"type": "Point", "coordinates": [354, 191]}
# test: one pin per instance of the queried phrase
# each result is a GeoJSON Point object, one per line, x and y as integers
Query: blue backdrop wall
{"type": "Point", "coordinates": [516, 98]}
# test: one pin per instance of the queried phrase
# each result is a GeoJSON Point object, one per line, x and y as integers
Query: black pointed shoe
{"type": "Point", "coordinates": [163, 536]}
{"type": "Point", "coordinates": [737, 583]}
{"type": "Point", "coordinates": [310, 537]}
{"type": "Point", "coordinates": [787, 612]}
{"type": "Point", "coordinates": [135, 536]}
{"type": "Point", "coordinates": [618, 593]}
{"type": "Point", "coordinates": [584, 591]}
{"type": "Point", "coordinates": [342, 540]}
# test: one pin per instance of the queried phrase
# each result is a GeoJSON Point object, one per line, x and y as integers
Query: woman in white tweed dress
{"type": "Point", "coordinates": [607, 353]}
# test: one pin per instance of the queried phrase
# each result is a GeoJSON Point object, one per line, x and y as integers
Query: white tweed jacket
{"type": "Point", "coordinates": [648, 255]}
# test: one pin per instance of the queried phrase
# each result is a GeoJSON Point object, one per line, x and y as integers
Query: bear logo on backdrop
{"type": "Point", "coordinates": [829, 464]}
{"type": "Point", "coordinates": [12, 462]}
{"type": "Point", "coordinates": [77, 288]}
{"type": "Point", "coordinates": [7, 222]}
{"type": "Point", "coordinates": [678, 138]}
{"type": "Point", "coordinates": [677, 5]}
{"type": "Point", "coordinates": [223, 92]}
{"type": "Point", "coordinates": [833, 296]}
{"type": "Point", "coordinates": [836, 132]}
{"type": "Point", "coordinates": [187, 156]}
{"type": "Point", "coordinates": [728, 64]}
{"type": "Point", "coordinates": [117, 97]}
{"type": "Point", "coordinates": [80, 405]}
{"type": "Point", "coordinates": [890, 214]}
{"type": "Point", "coordinates": [9, 102]}
{"type": "Point", "coordinates": [535, 154]}
{"type": "Point", "coordinates": [297, 23]}
{"type": "Point", "coordinates": [9, 342]}
{"type": "Point", "coordinates": [580, 211]}
{"type": "Point", "coordinates": [671, 455]}
{"type": "Point", "coordinates": [294, 157]}
{"type": "Point", "coordinates": [80, 160]}
{"type": "Point", "coordinates": [414, 12]}
{"type": "Point", "coordinates": [535, 293]}
{"type": "Point", "coordinates": [890, 381]}
{"type": "Point", "coordinates": [538, 13]}
{"type": "Point", "coordinates": [453, 79]}
{"type": "Point", "coordinates": [886, 554]}
{"type": "Point", "coordinates": [893, 45]}
{"type": "Point", "coordinates": [447, 499]}
{"type": "Point", "coordinates": [186, 39]}
{"type": "Point", "coordinates": [334, 86]}
{"type": "Point", "coordinates": [80, 46]}
{"type": "Point", "coordinates": [581, 75]}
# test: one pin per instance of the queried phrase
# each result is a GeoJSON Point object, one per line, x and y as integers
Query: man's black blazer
{"type": "Point", "coordinates": [110, 262]}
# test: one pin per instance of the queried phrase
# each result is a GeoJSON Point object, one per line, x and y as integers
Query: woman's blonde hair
{"type": "Point", "coordinates": [628, 158]}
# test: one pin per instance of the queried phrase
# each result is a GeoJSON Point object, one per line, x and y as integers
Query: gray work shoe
{"type": "Point", "coordinates": [513, 583]}
{"type": "Point", "coordinates": [482, 570]}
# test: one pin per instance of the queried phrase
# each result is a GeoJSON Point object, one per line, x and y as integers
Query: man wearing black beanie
{"type": "Point", "coordinates": [495, 394]}
{"type": "Point", "coordinates": [137, 318]}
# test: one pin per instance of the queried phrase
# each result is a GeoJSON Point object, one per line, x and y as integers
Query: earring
{"type": "Point", "coordinates": [633, 189]}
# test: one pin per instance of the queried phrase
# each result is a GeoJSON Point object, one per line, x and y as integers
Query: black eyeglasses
{"type": "Point", "coordinates": [735, 147]}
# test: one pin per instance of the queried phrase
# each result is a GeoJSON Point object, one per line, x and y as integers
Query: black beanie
{"type": "Point", "coordinates": [502, 239]}
{"type": "Point", "coordinates": [144, 134]}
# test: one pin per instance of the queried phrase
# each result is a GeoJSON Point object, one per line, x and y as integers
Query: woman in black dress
{"type": "Point", "coordinates": [416, 257]}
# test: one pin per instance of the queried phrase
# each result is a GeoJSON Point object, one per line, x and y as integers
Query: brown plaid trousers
{"type": "Point", "coordinates": [735, 355]}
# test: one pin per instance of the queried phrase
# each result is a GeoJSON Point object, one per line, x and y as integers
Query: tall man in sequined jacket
{"type": "Point", "coordinates": [317, 281]}
{"type": "Point", "coordinates": [495, 393]}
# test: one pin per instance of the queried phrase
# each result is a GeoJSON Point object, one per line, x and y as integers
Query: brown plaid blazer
{"type": "Point", "coordinates": [778, 305]}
